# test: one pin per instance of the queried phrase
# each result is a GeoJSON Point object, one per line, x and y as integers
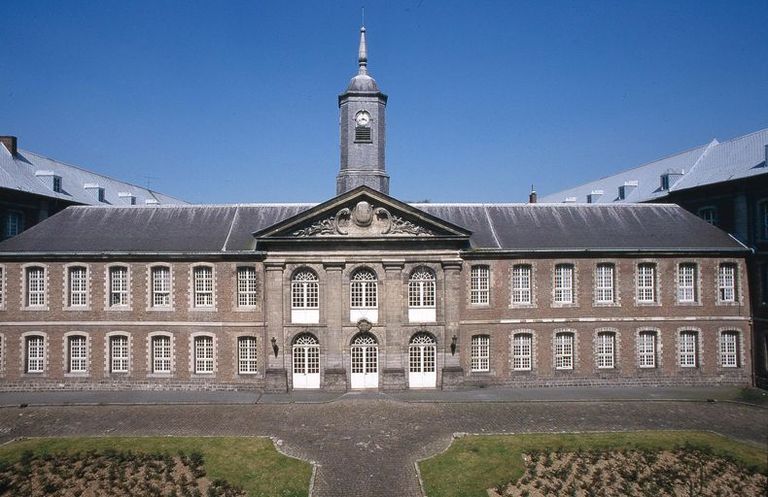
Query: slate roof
{"type": "Point", "coordinates": [715, 162]}
{"type": "Point", "coordinates": [18, 173]}
{"type": "Point", "coordinates": [511, 227]}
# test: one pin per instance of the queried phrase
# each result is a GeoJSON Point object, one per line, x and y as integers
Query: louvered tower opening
{"type": "Point", "coordinates": [363, 134]}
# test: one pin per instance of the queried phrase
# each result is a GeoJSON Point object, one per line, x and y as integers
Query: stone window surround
{"type": "Point", "coordinates": [709, 207]}
{"type": "Point", "coordinates": [236, 355]}
{"type": "Point", "coordinates": [656, 281]}
{"type": "Point", "coordinates": [534, 355]}
{"type": "Point", "coordinates": [490, 286]}
{"type": "Point", "coordinates": [3, 288]}
{"type": "Point", "coordinates": [699, 355]}
{"type": "Point", "coordinates": [574, 283]}
{"type": "Point", "coordinates": [66, 297]}
{"type": "Point", "coordinates": [3, 352]}
{"type": "Point", "coordinates": [192, 370]}
{"type": "Point", "coordinates": [616, 348]}
{"type": "Point", "coordinates": [108, 353]}
{"type": "Point", "coordinates": [738, 274]}
{"type": "Point", "coordinates": [108, 287]}
{"type": "Point", "coordinates": [534, 284]}
{"type": "Point", "coordinates": [740, 356]}
{"type": "Point", "coordinates": [235, 287]}
{"type": "Point", "coordinates": [23, 356]}
{"type": "Point", "coordinates": [66, 357]}
{"type": "Point", "coordinates": [46, 279]}
{"type": "Point", "coordinates": [489, 370]}
{"type": "Point", "coordinates": [347, 282]}
{"type": "Point", "coordinates": [290, 273]}
{"type": "Point", "coordinates": [616, 286]}
{"type": "Point", "coordinates": [698, 301]}
{"type": "Point", "coordinates": [576, 354]}
{"type": "Point", "coordinates": [658, 351]}
{"type": "Point", "coordinates": [437, 271]}
{"type": "Point", "coordinates": [150, 369]}
{"type": "Point", "coordinates": [191, 286]}
{"type": "Point", "coordinates": [150, 296]}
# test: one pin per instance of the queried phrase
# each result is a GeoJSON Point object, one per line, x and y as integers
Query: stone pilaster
{"type": "Point", "coordinates": [276, 378]}
{"type": "Point", "coordinates": [393, 298]}
{"type": "Point", "coordinates": [334, 375]}
{"type": "Point", "coordinates": [452, 372]}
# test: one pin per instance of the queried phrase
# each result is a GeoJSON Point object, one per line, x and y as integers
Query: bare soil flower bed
{"type": "Point", "coordinates": [682, 472]}
{"type": "Point", "coordinates": [112, 473]}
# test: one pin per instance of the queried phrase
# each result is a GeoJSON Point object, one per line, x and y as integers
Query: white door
{"type": "Point", "coordinates": [422, 372]}
{"type": "Point", "coordinates": [365, 362]}
{"type": "Point", "coordinates": [306, 362]}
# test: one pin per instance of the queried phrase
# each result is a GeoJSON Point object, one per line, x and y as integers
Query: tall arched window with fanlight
{"type": "Point", "coordinates": [305, 297]}
{"type": "Point", "coordinates": [421, 296]}
{"type": "Point", "coordinates": [363, 293]}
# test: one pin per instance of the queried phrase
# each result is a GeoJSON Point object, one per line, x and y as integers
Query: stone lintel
{"type": "Point", "coordinates": [334, 264]}
{"type": "Point", "coordinates": [393, 264]}
{"type": "Point", "coordinates": [452, 264]}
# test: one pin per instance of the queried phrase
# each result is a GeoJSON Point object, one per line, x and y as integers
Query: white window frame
{"type": "Point", "coordinates": [687, 283]}
{"type": "Point", "coordinates": [646, 283]}
{"type": "Point", "coordinates": [77, 353]}
{"type": "Point", "coordinates": [647, 348]}
{"type": "Point", "coordinates": [422, 288]}
{"type": "Point", "coordinates": [305, 290]}
{"type": "Point", "coordinates": [77, 286]}
{"type": "Point", "coordinates": [480, 354]}
{"type": "Point", "coordinates": [522, 284]}
{"type": "Point", "coordinates": [364, 292]}
{"type": "Point", "coordinates": [204, 354]}
{"type": "Point", "coordinates": [709, 213]}
{"type": "Point", "coordinates": [14, 223]}
{"type": "Point", "coordinates": [605, 283]}
{"type": "Point", "coordinates": [605, 349]}
{"type": "Point", "coordinates": [522, 351]}
{"type": "Point", "coordinates": [119, 356]}
{"type": "Point", "coordinates": [35, 290]}
{"type": "Point", "coordinates": [118, 289]}
{"type": "Point", "coordinates": [480, 285]}
{"type": "Point", "coordinates": [247, 354]}
{"type": "Point", "coordinates": [689, 348]}
{"type": "Point", "coordinates": [726, 282]}
{"type": "Point", "coordinates": [34, 353]}
{"type": "Point", "coordinates": [564, 284]}
{"type": "Point", "coordinates": [729, 341]}
{"type": "Point", "coordinates": [2, 286]}
{"type": "Point", "coordinates": [161, 286]}
{"type": "Point", "coordinates": [203, 286]}
{"type": "Point", "coordinates": [161, 354]}
{"type": "Point", "coordinates": [564, 344]}
{"type": "Point", "coordinates": [247, 287]}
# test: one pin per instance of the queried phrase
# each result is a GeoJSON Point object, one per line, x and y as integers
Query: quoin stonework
{"type": "Point", "coordinates": [365, 291]}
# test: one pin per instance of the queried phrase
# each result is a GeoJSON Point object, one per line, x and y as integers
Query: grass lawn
{"type": "Point", "coordinates": [475, 463]}
{"type": "Point", "coordinates": [250, 463]}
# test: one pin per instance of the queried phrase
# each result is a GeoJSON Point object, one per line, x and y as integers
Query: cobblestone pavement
{"type": "Point", "coordinates": [368, 446]}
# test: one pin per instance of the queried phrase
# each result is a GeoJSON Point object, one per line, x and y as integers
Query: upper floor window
{"type": "Point", "coordinates": [118, 286]}
{"type": "Point", "coordinates": [161, 286]}
{"type": "Point", "coordinates": [522, 351]}
{"type": "Point", "coordinates": [78, 286]}
{"type": "Point", "coordinates": [686, 283]}
{"type": "Point", "coordinates": [521, 284]}
{"type": "Point", "coordinates": [726, 282]}
{"type": "Point", "coordinates": [14, 224]}
{"type": "Point", "coordinates": [646, 349]}
{"type": "Point", "coordinates": [247, 353]}
{"type": "Point", "coordinates": [364, 290]}
{"type": "Point", "coordinates": [161, 354]}
{"type": "Point", "coordinates": [305, 290]}
{"type": "Point", "coordinates": [35, 286]}
{"type": "Point", "coordinates": [480, 353]}
{"type": "Point", "coordinates": [564, 284]}
{"type": "Point", "coordinates": [78, 354]}
{"type": "Point", "coordinates": [688, 349]}
{"type": "Point", "coordinates": [646, 283]}
{"type": "Point", "coordinates": [246, 286]}
{"type": "Point", "coordinates": [604, 284]}
{"type": "Point", "coordinates": [203, 354]}
{"type": "Point", "coordinates": [479, 285]}
{"type": "Point", "coordinates": [421, 288]}
{"type": "Point", "coordinates": [709, 214]}
{"type": "Point", "coordinates": [203, 285]}
{"type": "Point", "coordinates": [2, 286]}
{"type": "Point", "coordinates": [564, 351]}
{"type": "Point", "coordinates": [35, 356]}
{"type": "Point", "coordinates": [606, 350]}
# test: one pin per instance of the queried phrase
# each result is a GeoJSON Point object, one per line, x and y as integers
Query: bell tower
{"type": "Point", "coordinates": [362, 130]}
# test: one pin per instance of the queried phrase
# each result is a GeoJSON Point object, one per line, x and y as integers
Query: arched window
{"type": "Point", "coordinates": [118, 353]}
{"type": "Point", "coordinates": [522, 352]}
{"type": "Point", "coordinates": [35, 354]}
{"type": "Point", "coordinates": [77, 354]}
{"type": "Point", "coordinates": [564, 284]}
{"type": "Point", "coordinates": [564, 351]}
{"type": "Point", "coordinates": [202, 286]}
{"type": "Point", "coordinates": [521, 284]}
{"type": "Point", "coordinates": [364, 356]}
{"type": "Point", "coordinates": [480, 353]}
{"type": "Point", "coordinates": [118, 286]}
{"type": "Point", "coordinates": [364, 296]}
{"type": "Point", "coordinates": [306, 361]}
{"type": "Point", "coordinates": [729, 349]}
{"type": "Point", "coordinates": [726, 282]}
{"type": "Point", "coordinates": [422, 367]}
{"type": "Point", "coordinates": [421, 295]}
{"type": "Point", "coordinates": [606, 350]}
{"type": "Point", "coordinates": [689, 349]}
{"type": "Point", "coordinates": [305, 297]}
{"type": "Point", "coordinates": [77, 286]}
{"type": "Point", "coordinates": [247, 354]}
{"type": "Point", "coordinates": [35, 291]}
{"type": "Point", "coordinates": [646, 349]}
{"type": "Point", "coordinates": [204, 354]}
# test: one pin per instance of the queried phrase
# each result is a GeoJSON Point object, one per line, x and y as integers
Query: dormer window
{"type": "Point", "coordinates": [363, 127]}
{"type": "Point", "coordinates": [57, 184]}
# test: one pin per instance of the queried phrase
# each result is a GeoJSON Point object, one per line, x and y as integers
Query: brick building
{"type": "Point", "coordinates": [366, 291]}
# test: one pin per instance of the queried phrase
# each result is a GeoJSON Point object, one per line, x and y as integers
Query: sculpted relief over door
{"type": "Point", "coordinates": [364, 219]}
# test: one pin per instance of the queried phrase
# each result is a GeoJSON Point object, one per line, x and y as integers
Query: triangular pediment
{"type": "Point", "coordinates": [362, 213]}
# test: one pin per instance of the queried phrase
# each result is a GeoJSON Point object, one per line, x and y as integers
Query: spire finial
{"type": "Point", "coordinates": [362, 54]}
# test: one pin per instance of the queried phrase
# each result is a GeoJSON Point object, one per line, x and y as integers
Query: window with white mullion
{"type": "Point", "coordinates": [118, 286]}
{"type": "Point", "coordinates": [564, 284]}
{"type": "Point", "coordinates": [480, 353]}
{"type": "Point", "coordinates": [688, 349]}
{"type": "Point", "coordinates": [521, 284]}
{"type": "Point", "coordinates": [161, 354]}
{"type": "Point", "coordinates": [2, 286]}
{"type": "Point", "coordinates": [305, 291]}
{"type": "Point", "coordinates": [203, 354]}
{"type": "Point", "coordinates": [363, 291]}
{"type": "Point", "coordinates": [564, 351]}
{"type": "Point", "coordinates": [686, 283]}
{"type": "Point", "coordinates": [161, 286]}
{"type": "Point", "coordinates": [646, 283]}
{"type": "Point", "coordinates": [78, 354]}
{"type": "Point", "coordinates": [421, 289]}
{"type": "Point", "coordinates": [78, 286]}
{"type": "Point", "coordinates": [247, 355]}
{"type": "Point", "coordinates": [479, 285]}
{"type": "Point", "coordinates": [246, 286]}
{"type": "Point", "coordinates": [203, 284]}
{"type": "Point", "coordinates": [35, 354]}
{"type": "Point", "coordinates": [35, 286]}
{"type": "Point", "coordinates": [646, 349]}
{"type": "Point", "coordinates": [118, 354]}
{"type": "Point", "coordinates": [604, 284]}
{"type": "Point", "coordinates": [606, 350]}
{"type": "Point", "coordinates": [726, 282]}
{"type": "Point", "coordinates": [729, 357]}
{"type": "Point", "coordinates": [522, 348]}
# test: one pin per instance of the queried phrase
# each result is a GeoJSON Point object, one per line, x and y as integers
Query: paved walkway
{"type": "Point", "coordinates": [368, 446]}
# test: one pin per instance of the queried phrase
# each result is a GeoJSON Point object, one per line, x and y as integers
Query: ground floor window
{"type": "Point", "coordinates": [729, 347]}
{"type": "Point", "coordinates": [480, 352]}
{"type": "Point", "coordinates": [646, 349]}
{"type": "Point", "coordinates": [161, 354]}
{"type": "Point", "coordinates": [35, 354]}
{"type": "Point", "coordinates": [246, 355]}
{"type": "Point", "coordinates": [688, 349]}
{"type": "Point", "coordinates": [564, 351]}
{"type": "Point", "coordinates": [118, 354]}
{"type": "Point", "coordinates": [522, 352]}
{"type": "Point", "coordinates": [606, 350]}
{"type": "Point", "coordinates": [203, 355]}
{"type": "Point", "coordinates": [78, 354]}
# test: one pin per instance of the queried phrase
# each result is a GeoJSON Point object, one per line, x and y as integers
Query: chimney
{"type": "Point", "coordinates": [594, 196]}
{"type": "Point", "coordinates": [532, 197]}
{"type": "Point", "coordinates": [127, 198]}
{"type": "Point", "coordinates": [10, 144]}
{"type": "Point", "coordinates": [570, 200]}
{"type": "Point", "coordinates": [151, 201]}
{"type": "Point", "coordinates": [766, 157]}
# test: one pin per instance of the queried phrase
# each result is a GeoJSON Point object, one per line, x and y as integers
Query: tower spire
{"type": "Point", "coordinates": [362, 54]}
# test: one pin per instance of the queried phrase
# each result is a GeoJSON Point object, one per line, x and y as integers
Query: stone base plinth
{"type": "Point", "coordinates": [335, 380]}
{"type": "Point", "coordinates": [453, 377]}
{"type": "Point", "coordinates": [393, 379]}
{"type": "Point", "coordinates": [276, 381]}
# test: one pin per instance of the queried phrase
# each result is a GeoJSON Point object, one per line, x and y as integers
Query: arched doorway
{"type": "Point", "coordinates": [364, 354]}
{"type": "Point", "coordinates": [306, 362]}
{"type": "Point", "coordinates": [422, 370]}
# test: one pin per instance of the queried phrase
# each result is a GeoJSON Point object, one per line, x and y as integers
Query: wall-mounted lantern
{"type": "Point", "coordinates": [453, 344]}
{"type": "Point", "coordinates": [275, 348]}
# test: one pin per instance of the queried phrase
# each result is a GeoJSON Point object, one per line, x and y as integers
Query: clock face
{"type": "Point", "coordinates": [362, 118]}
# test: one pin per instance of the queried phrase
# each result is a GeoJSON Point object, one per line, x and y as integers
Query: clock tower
{"type": "Point", "coordinates": [362, 131]}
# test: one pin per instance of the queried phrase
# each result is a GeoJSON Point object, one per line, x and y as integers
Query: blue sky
{"type": "Point", "coordinates": [221, 102]}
